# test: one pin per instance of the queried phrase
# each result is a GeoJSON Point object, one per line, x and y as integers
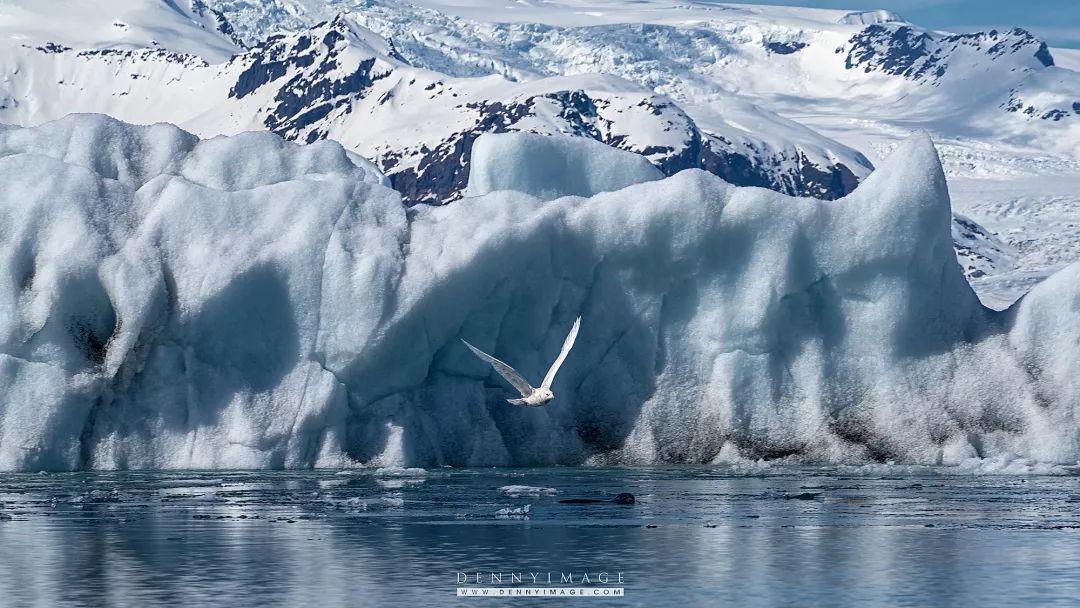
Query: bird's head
{"type": "Point", "coordinates": [546, 394]}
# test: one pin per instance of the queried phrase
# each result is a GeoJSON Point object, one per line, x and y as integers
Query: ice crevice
{"type": "Point", "coordinates": [276, 305]}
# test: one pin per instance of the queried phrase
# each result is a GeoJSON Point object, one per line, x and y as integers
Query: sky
{"type": "Point", "coordinates": [1057, 21]}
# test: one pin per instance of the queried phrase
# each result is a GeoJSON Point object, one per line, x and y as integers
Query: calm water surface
{"type": "Point", "coordinates": [697, 536]}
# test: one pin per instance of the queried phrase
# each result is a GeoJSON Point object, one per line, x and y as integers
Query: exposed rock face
{"type": "Point", "coordinates": [334, 83]}
{"type": "Point", "coordinates": [901, 50]}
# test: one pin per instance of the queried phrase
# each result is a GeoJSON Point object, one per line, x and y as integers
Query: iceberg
{"type": "Point", "coordinates": [558, 165]}
{"type": "Point", "coordinates": [245, 302]}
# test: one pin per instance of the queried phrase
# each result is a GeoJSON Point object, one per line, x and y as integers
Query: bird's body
{"type": "Point", "coordinates": [537, 398]}
{"type": "Point", "coordinates": [530, 396]}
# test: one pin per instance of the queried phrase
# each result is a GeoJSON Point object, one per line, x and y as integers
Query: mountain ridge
{"type": "Point", "coordinates": [340, 80]}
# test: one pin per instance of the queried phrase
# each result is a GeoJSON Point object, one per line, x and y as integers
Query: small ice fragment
{"type": "Point", "coordinates": [514, 513]}
{"type": "Point", "coordinates": [515, 491]}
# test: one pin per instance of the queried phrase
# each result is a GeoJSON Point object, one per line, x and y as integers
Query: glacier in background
{"type": "Point", "coordinates": [246, 302]}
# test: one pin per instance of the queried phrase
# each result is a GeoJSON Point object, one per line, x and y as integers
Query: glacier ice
{"type": "Point", "coordinates": [245, 302]}
{"type": "Point", "coordinates": [550, 167]}
{"type": "Point", "coordinates": [871, 17]}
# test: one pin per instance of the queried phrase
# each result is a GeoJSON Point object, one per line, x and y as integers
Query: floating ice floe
{"type": "Point", "coordinates": [514, 512]}
{"type": "Point", "coordinates": [211, 496]}
{"type": "Point", "coordinates": [516, 491]}
{"type": "Point", "coordinates": [1009, 464]}
{"type": "Point", "coordinates": [400, 472]}
{"type": "Point", "coordinates": [364, 504]}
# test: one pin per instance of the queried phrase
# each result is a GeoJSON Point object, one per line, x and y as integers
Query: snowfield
{"type": "Point", "coordinates": [56, 26]}
{"type": "Point", "coordinates": [246, 302]}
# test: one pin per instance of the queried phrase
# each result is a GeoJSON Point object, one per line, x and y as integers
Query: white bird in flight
{"type": "Point", "coordinates": [533, 397]}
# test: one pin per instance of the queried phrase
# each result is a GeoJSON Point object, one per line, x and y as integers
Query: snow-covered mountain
{"type": "Point", "coordinates": [873, 62]}
{"type": "Point", "coordinates": [419, 125]}
{"type": "Point", "coordinates": [339, 80]}
{"type": "Point", "coordinates": [1005, 116]}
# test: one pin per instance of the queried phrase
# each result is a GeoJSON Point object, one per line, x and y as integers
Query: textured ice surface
{"type": "Point", "coordinates": [551, 167]}
{"type": "Point", "coordinates": [870, 17]}
{"type": "Point", "coordinates": [245, 302]}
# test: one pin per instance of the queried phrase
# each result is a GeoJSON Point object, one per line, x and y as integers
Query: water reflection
{"type": "Point", "coordinates": [695, 537]}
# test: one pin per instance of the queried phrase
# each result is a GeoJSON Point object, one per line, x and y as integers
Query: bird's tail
{"type": "Point", "coordinates": [516, 401]}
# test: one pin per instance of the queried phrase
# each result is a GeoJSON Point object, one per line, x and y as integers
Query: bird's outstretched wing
{"type": "Point", "coordinates": [507, 372]}
{"type": "Point", "coordinates": [567, 345]}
